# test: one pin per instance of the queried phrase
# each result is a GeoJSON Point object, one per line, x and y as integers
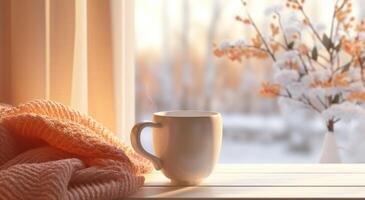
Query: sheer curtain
{"type": "Point", "coordinates": [64, 50]}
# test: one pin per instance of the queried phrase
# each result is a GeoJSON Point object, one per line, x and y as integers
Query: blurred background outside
{"type": "Point", "coordinates": [176, 69]}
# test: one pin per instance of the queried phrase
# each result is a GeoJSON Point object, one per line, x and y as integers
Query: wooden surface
{"type": "Point", "coordinates": [264, 181]}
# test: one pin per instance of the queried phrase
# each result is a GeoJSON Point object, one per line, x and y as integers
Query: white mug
{"type": "Point", "coordinates": [187, 144]}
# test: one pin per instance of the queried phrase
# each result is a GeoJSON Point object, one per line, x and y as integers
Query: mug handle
{"type": "Point", "coordinates": [137, 145]}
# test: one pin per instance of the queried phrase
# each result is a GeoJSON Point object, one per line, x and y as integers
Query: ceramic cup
{"type": "Point", "coordinates": [186, 143]}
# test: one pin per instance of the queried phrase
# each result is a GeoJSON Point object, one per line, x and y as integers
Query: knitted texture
{"type": "Point", "coordinates": [50, 151]}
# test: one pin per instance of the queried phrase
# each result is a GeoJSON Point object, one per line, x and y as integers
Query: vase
{"type": "Point", "coordinates": [330, 152]}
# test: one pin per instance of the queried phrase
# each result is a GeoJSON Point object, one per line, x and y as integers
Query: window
{"type": "Point", "coordinates": [176, 69]}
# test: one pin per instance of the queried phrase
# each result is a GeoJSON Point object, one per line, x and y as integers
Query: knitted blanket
{"type": "Point", "coordinates": [50, 151]}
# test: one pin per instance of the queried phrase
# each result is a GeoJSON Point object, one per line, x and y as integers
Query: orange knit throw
{"type": "Point", "coordinates": [50, 151]}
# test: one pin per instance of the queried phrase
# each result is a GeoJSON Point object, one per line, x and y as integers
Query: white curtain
{"type": "Point", "coordinates": [62, 50]}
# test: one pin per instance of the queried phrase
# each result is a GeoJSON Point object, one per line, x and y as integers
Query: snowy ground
{"type": "Point", "coordinates": [269, 139]}
{"type": "Point", "coordinates": [256, 152]}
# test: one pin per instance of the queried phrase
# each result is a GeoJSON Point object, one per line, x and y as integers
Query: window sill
{"type": "Point", "coordinates": [265, 181]}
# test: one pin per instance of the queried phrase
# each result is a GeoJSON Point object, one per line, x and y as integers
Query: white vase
{"type": "Point", "coordinates": [330, 152]}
